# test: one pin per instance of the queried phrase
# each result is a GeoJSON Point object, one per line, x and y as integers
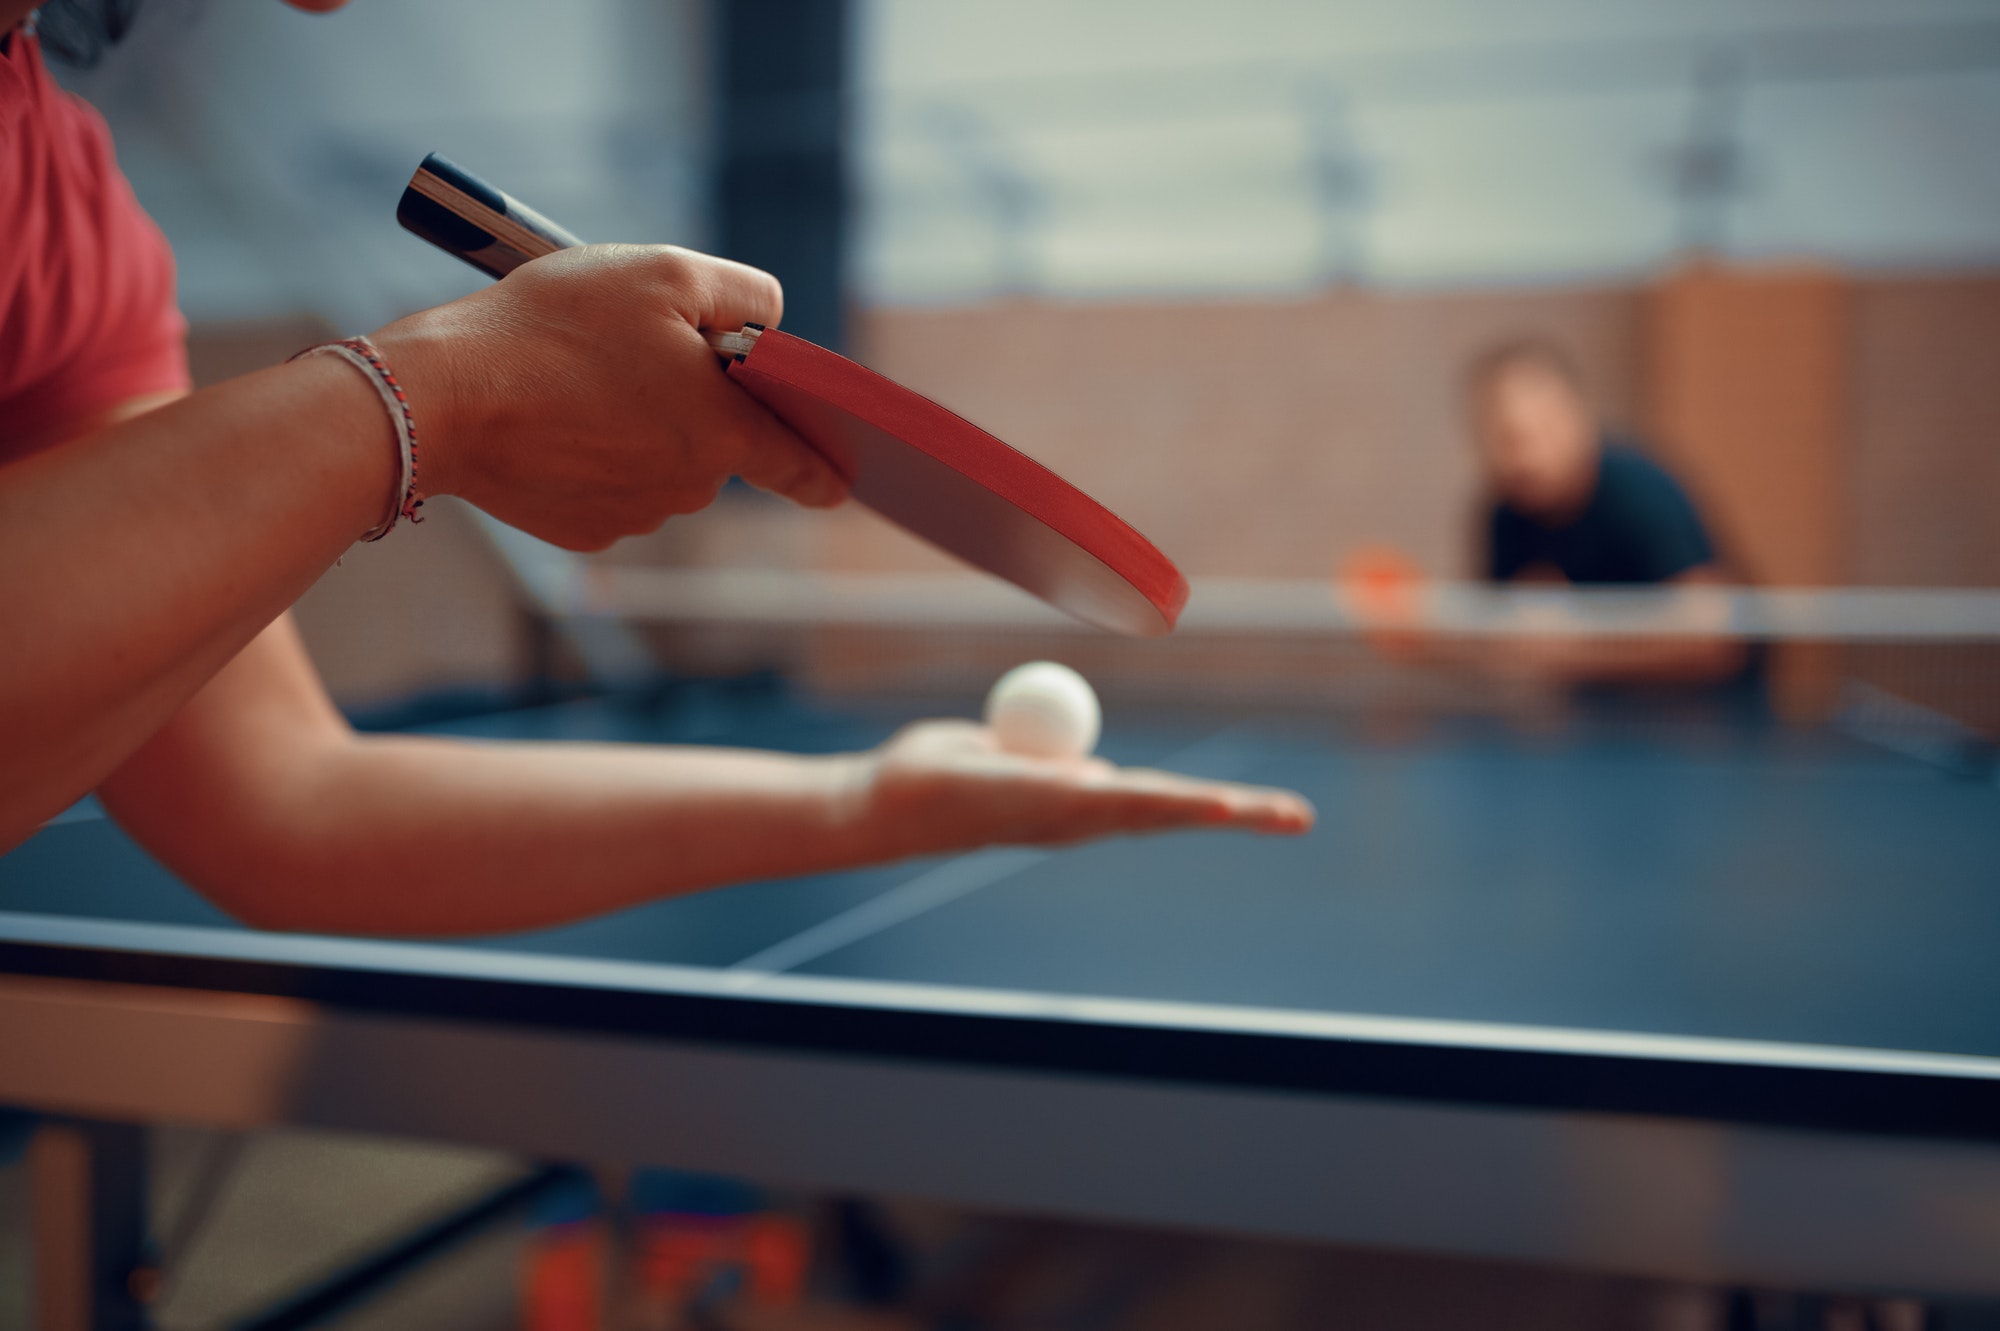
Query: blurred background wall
{"type": "Point", "coordinates": [1223, 265]}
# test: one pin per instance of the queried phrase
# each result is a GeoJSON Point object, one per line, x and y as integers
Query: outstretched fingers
{"type": "Point", "coordinates": [1147, 800]}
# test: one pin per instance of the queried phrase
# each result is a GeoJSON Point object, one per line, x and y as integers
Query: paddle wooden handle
{"type": "Point", "coordinates": [463, 215]}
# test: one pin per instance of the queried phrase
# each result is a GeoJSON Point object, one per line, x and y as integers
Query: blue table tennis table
{"type": "Point", "coordinates": [1705, 1002]}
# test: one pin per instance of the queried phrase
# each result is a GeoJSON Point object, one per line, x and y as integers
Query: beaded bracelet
{"type": "Point", "coordinates": [365, 357]}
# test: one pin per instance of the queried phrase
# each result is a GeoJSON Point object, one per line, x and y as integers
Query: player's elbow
{"type": "Point", "coordinates": [19, 820]}
{"type": "Point", "coordinates": [264, 841]}
{"type": "Point", "coordinates": [265, 878]}
{"type": "Point", "coordinates": [1694, 662]}
{"type": "Point", "coordinates": [255, 909]}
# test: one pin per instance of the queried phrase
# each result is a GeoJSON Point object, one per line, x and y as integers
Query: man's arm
{"type": "Point", "coordinates": [1673, 547]}
{"type": "Point", "coordinates": [1677, 658]}
{"type": "Point", "coordinates": [261, 796]}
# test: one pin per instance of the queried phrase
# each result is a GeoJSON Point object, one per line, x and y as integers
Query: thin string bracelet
{"type": "Point", "coordinates": [364, 356]}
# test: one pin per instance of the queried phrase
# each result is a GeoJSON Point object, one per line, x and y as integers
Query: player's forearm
{"type": "Point", "coordinates": [142, 558]}
{"type": "Point", "coordinates": [418, 836]}
{"type": "Point", "coordinates": [1690, 660]}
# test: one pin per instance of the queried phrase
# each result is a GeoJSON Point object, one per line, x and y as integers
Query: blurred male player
{"type": "Point", "coordinates": [1565, 503]}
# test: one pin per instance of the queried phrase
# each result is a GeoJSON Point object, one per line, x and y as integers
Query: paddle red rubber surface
{"type": "Point", "coordinates": [965, 491]}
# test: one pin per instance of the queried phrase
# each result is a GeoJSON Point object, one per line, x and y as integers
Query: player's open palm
{"type": "Point", "coordinates": [948, 785]}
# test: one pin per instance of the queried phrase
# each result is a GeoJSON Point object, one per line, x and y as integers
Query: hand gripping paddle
{"type": "Point", "coordinates": [909, 459]}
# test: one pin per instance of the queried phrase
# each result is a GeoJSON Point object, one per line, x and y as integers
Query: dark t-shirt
{"type": "Point", "coordinates": [1639, 527]}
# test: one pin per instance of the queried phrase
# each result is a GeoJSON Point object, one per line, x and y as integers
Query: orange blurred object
{"type": "Point", "coordinates": [676, 1262]}
{"type": "Point", "coordinates": [677, 1258]}
{"type": "Point", "coordinates": [777, 1255]}
{"type": "Point", "coordinates": [563, 1279]}
{"type": "Point", "coordinates": [1382, 587]}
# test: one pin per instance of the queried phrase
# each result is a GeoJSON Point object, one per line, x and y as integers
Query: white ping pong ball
{"type": "Point", "coordinates": [1044, 710]}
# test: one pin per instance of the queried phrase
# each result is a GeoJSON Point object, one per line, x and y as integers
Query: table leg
{"type": "Point", "coordinates": [89, 1197]}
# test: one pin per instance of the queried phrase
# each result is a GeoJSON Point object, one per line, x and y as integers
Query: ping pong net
{"type": "Point", "coordinates": [1910, 667]}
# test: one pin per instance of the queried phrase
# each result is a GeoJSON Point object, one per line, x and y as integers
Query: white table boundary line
{"type": "Point", "coordinates": [935, 887]}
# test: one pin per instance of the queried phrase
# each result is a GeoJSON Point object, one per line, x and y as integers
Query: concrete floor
{"type": "Point", "coordinates": [295, 1206]}
{"type": "Point", "coordinates": [300, 1204]}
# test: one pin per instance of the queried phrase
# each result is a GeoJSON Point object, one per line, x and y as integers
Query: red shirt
{"type": "Point", "coordinates": [87, 313]}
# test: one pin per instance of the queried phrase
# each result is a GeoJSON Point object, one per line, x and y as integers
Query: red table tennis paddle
{"type": "Point", "coordinates": [909, 459]}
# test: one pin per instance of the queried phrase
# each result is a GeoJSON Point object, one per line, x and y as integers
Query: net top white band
{"type": "Point", "coordinates": [1284, 606]}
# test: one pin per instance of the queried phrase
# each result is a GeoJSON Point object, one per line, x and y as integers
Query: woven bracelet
{"type": "Point", "coordinates": [364, 356]}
